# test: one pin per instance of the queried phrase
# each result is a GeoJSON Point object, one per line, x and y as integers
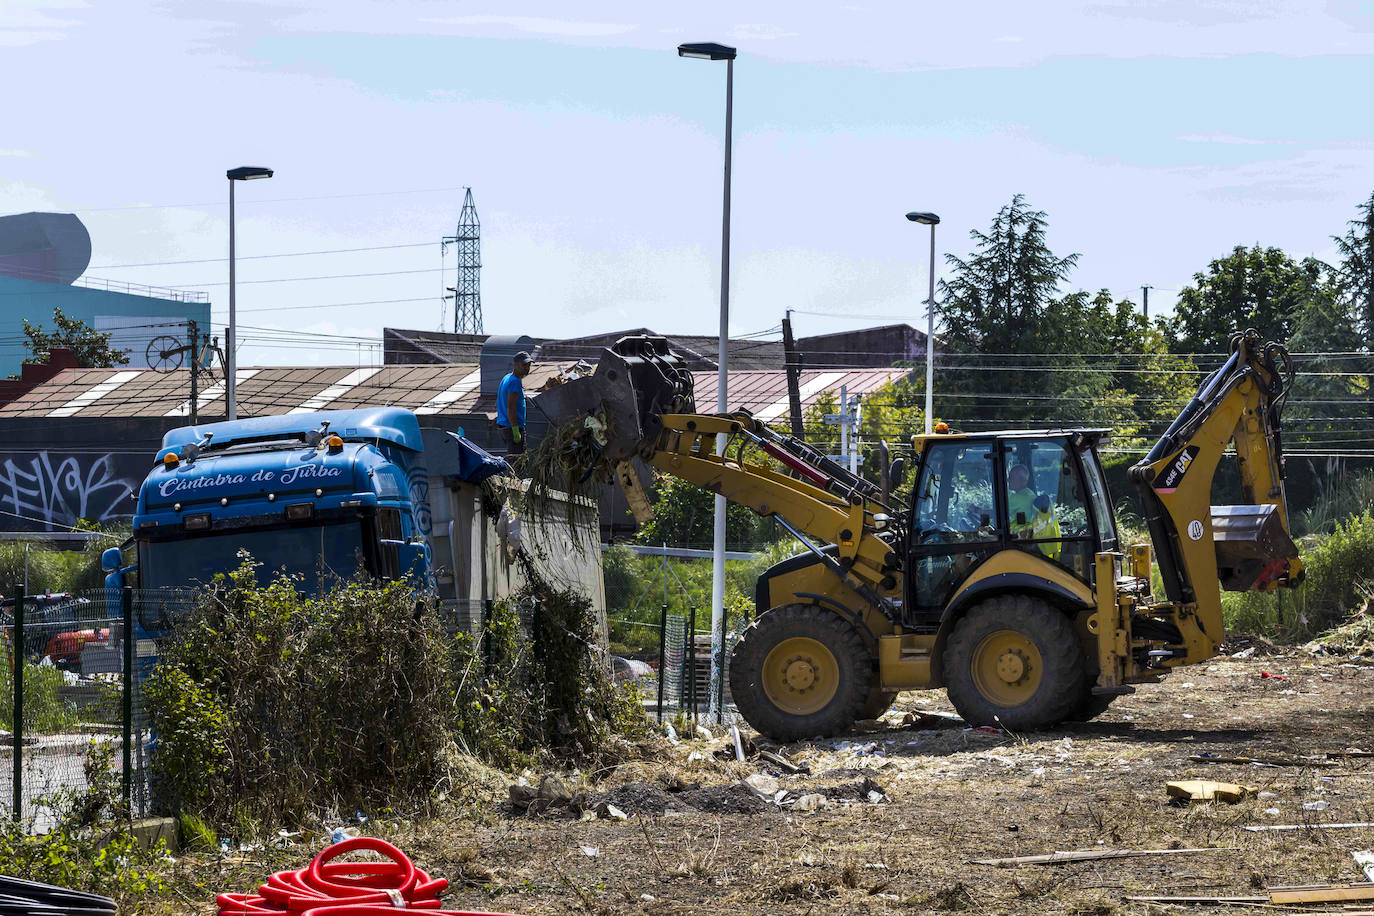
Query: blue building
{"type": "Point", "coordinates": [42, 258]}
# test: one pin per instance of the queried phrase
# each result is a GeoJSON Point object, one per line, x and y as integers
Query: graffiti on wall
{"type": "Point", "coordinates": [51, 490]}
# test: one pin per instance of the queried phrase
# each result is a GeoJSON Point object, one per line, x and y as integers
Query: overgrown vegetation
{"type": "Point", "coordinates": [274, 705]}
{"type": "Point", "coordinates": [44, 709]}
{"type": "Point", "coordinates": [88, 847]}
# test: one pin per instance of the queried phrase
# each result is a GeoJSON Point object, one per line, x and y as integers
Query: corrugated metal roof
{"type": "Point", "coordinates": [450, 388]}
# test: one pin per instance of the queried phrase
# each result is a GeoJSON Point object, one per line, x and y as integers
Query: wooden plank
{"type": "Point", "coordinates": [1088, 855]}
{"type": "Point", "coordinates": [1335, 892]}
{"type": "Point", "coordinates": [1258, 828]}
{"type": "Point", "coordinates": [1201, 900]}
{"type": "Point", "coordinates": [1267, 761]}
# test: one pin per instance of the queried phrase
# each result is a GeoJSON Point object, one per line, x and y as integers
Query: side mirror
{"type": "Point", "coordinates": [898, 471]}
{"type": "Point", "coordinates": [111, 559]}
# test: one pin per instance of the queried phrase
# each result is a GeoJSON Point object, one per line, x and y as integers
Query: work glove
{"type": "Point", "coordinates": [1042, 502]}
{"type": "Point", "coordinates": [515, 434]}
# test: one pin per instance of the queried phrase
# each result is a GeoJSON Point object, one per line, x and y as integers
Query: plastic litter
{"type": "Point", "coordinates": [1316, 805]}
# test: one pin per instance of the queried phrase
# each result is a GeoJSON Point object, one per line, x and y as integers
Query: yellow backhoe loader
{"type": "Point", "coordinates": [1002, 579]}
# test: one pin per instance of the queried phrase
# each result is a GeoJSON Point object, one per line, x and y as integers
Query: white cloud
{"type": "Point", "coordinates": [17, 153]}
{"type": "Point", "coordinates": [760, 33]}
{"type": "Point", "coordinates": [539, 25]}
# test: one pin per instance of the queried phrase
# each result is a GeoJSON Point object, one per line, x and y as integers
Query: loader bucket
{"type": "Point", "coordinates": [636, 381]}
{"type": "Point", "coordinates": [1253, 547]}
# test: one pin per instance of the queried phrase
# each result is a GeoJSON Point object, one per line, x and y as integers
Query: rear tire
{"type": "Point", "coordinates": [879, 701]}
{"type": "Point", "coordinates": [1016, 662]}
{"type": "Point", "coordinates": [800, 671]}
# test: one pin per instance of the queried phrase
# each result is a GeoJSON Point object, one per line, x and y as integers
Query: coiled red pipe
{"type": "Point", "coordinates": [329, 888]}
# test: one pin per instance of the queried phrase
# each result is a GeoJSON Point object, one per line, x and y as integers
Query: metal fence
{"type": "Point", "coordinates": [70, 693]}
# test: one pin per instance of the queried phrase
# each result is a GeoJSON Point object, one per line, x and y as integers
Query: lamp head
{"type": "Point", "coordinates": [248, 173]}
{"type": "Point", "coordinates": [706, 50]}
{"type": "Point", "coordinates": [925, 219]}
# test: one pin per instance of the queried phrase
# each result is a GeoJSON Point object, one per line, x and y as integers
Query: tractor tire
{"type": "Point", "coordinates": [1090, 706]}
{"type": "Point", "coordinates": [1014, 661]}
{"type": "Point", "coordinates": [800, 671]}
{"type": "Point", "coordinates": [879, 701]}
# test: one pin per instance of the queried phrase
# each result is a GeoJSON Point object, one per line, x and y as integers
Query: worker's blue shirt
{"type": "Point", "coordinates": [508, 384]}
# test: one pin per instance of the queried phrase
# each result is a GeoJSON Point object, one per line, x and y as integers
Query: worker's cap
{"type": "Point", "coordinates": [523, 357]}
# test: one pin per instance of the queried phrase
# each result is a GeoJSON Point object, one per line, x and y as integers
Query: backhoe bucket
{"type": "Point", "coordinates": [636, 381]}
{"type": "Point", "coordinates": [1253, 547]}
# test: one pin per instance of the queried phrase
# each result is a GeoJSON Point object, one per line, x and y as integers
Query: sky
{"type": "Point", "coordinates": [1155, 135]}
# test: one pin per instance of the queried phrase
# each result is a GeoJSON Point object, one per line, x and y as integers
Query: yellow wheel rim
{"type": "Point", "coordinates": [1007, 668]}
{"type": "Point", "coordinates": [800, 676]}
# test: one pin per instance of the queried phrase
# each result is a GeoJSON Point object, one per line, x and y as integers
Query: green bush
{"type": "Point", "coordinates": [76, 853]}
{"type": "Point", "coordinates": [273, 705]}
{"type": "Point", "coordinates": [270, 704]}
{"type": "Point", "coordinates": [45, 711]}
{"type": "Point", "coordinates": [1340, 568]}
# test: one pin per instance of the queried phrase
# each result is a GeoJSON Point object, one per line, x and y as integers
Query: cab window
{"type": "Point", "coordinates": [954, 497]}
{"type": "Point", "coordinates": [1047, 512]}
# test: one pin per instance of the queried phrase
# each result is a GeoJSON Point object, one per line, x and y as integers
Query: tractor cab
{"type": "Point", "coordinates": [1039, 494]}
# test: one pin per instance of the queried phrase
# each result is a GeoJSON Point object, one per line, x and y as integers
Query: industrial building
{"type": "Point", "coordinates": [43, 257]}
{"type": "Point", "coordinates": [76, 445]}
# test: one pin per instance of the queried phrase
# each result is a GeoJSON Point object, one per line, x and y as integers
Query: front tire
{"type": "Point", "coordinates": [800, 671]}
{"type": "Point", "coordinates": [1016, 662]}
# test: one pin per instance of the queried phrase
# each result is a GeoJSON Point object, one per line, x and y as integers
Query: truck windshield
{"type": "Point", "coordinates": [315, 553]}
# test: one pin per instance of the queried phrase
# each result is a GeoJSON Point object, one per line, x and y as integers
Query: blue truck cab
{"type": "Point", "coordinates": [323, 495]}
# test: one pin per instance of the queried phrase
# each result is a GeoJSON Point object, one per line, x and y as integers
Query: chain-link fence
{"type": "Point", "coordinates": [70, 697]}
{"type": "Point", "coordinates": [658, 608]}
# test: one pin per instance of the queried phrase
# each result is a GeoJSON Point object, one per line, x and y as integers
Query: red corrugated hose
{"type": "Point", "coordinates": [329, 888]}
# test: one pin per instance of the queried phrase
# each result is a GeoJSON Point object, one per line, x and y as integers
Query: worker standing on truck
{"type": "Point", "coordinates": [1032, 514]}
{"type": "Point", "coordinates": [510, 405]}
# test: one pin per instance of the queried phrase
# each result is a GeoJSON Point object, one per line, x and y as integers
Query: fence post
{"type": "Point", "coordinates": [691, 655]}
{"type": "Point", "coordinates": [18, 727]}
{"type": "Point", "coordinates": [662, 657]}
{"type": "Point", "coordinates": [126, 600]}
{"type": "Point", "coordinates": [720, 681]}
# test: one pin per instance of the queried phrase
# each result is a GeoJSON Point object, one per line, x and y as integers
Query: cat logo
{"type": "Point", "coordinates": [1172, 477]}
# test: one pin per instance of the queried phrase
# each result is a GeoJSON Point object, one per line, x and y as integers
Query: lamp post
{"type": "Point", "coordinates": [242, 173]}
{"type": "Point", "coordinates": [931, 220]}
{"type": "Point", "coordinates": [713, 51]}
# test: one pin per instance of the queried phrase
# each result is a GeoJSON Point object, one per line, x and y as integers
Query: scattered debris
{"type": "Point", "coordinates": [1316, 805]}
{"type": "Point", "coordinates": [765, 786]}
{"type": "Point", "coordinates": [811, 802]}
{"type": "Point", "coordinates": [1366, 862]}
{"type": "Point", "coordinates": [1086, 855]}
{"type": "Point", "coordinates": [1272, 677]}
{"type": "Point", "coordinates": [1204, 790]}
{"type": "Point", "coordinates": [591, 851]}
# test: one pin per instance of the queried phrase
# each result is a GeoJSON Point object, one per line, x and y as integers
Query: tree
{"type": "Point", "coordinates": [1260, 288]}
{"type": "Point", "coordinates": [90, 347]}
{"type": "Point", "coordinates": [684, 516]}
{"type": "Point", "coordinates": [1354, 276]}
{"type": "Point", "coordinates": [999, 298]}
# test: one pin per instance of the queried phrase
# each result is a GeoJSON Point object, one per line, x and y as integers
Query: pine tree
{"type": "Point", "coordinates": [1355, 274]}
{"type": "Point", "coordinates": [999, 298]}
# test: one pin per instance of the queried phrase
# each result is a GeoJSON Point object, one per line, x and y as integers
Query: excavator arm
{"type": "Point", "coordinates": [641, 398]}
{"type": "Point", "coordinates": [1199, 546]}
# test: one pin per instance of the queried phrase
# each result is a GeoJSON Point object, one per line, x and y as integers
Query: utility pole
{"type": "Point", "coordinates": [1146, 290]}
{"type": "Point", "coordinates": [792, 361]}
{"type": "Point", "coordinates": [844, 423]}
{"type": "Point", "coordinates": [195, 370]}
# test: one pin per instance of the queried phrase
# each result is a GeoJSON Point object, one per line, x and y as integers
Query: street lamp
{"type": "Point", "coordinates": [712, 51]}
{"type": "Point", "coordinates": [242, 173]}
{"type": "Point", "coordinates": [931, 220]}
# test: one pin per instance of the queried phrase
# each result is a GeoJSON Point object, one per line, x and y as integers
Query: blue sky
{"type": "Point", "coordinates": [1155, 134]}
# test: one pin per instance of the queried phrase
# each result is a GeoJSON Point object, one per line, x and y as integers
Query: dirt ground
{"type": "Point", "coordinates": [902, 810]}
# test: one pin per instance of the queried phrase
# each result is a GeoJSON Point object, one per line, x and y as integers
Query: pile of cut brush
{"type": "Point", "coordinates": [567, 461]}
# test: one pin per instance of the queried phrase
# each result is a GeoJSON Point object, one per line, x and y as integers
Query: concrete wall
{"type": "Point", "coordinates": [33, 300]}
